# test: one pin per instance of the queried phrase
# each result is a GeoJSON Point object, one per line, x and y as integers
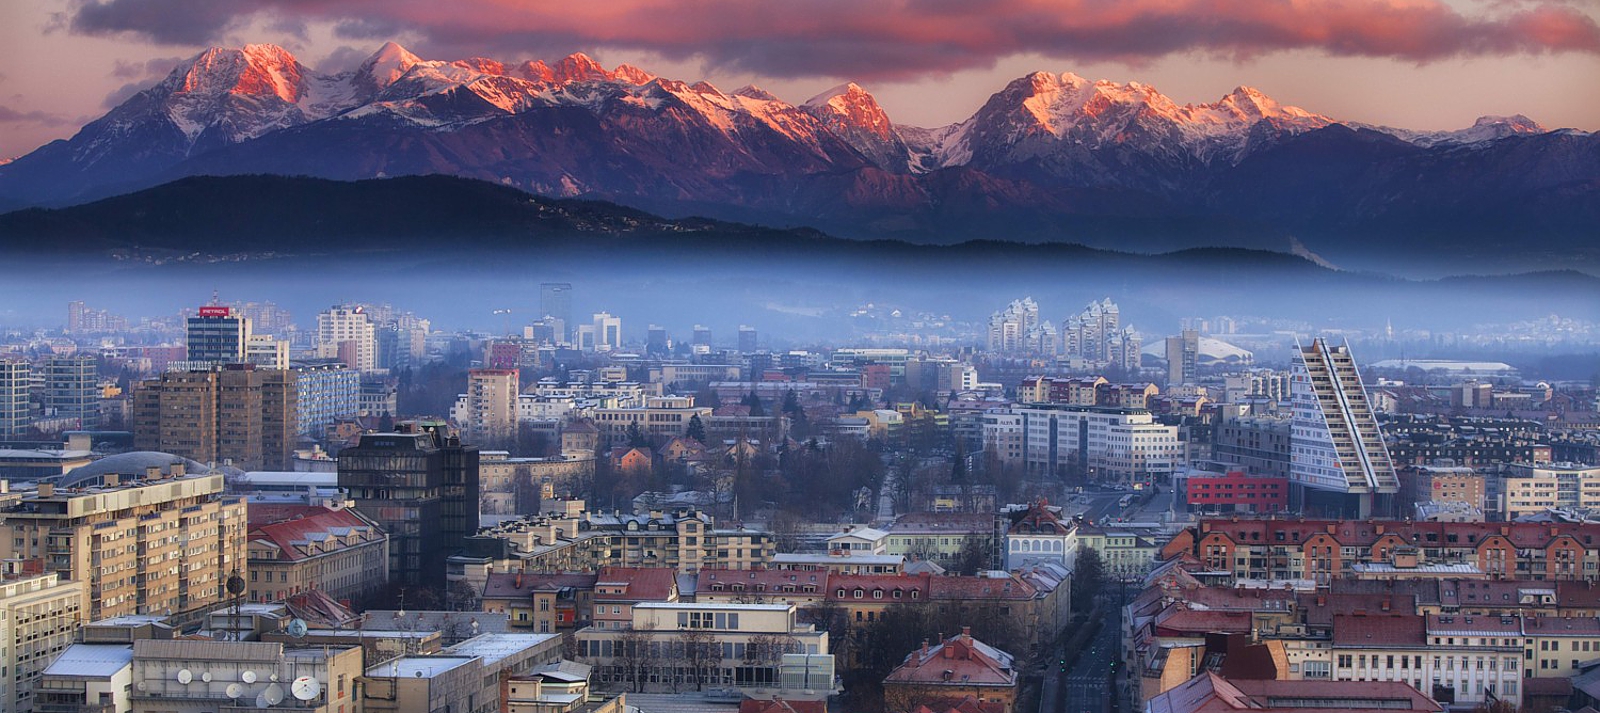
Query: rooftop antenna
{"type": "Point", "coordinates": [235, 586]}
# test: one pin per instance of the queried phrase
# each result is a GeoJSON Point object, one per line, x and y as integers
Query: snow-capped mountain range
{"type": "Point", "coordinates": [1046, 144]}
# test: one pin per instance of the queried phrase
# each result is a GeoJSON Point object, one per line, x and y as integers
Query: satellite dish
{"type": "Point", "coordinates": [235, 690]}
{"type": "Point", "coordinates": [143, 685]}
{"type": "Point", "coordinates": [273, 694]}
{"type": "Point", "coordinates": [297, 628]}
{"type": "Point", "coordinates": [248, 676]}
{"type": "Point", "coordinates": [185, 676]}
{"type": "Point", "coordinates": [272, 676]}
{"type": "Point", "coordinates": [305, 688]}
{"type": "Point", "coordinates": [261, 700]}
{"type": "Point", "coordinates": [235, 585]}
{"type": "Point", "coordinates": [206, 677]}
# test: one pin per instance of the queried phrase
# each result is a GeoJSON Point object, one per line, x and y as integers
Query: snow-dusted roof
{"type": "Point", "coordinates": [91, 661]}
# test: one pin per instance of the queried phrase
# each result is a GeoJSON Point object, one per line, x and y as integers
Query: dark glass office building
{"type": "Point", "coordinates": [422, 488]}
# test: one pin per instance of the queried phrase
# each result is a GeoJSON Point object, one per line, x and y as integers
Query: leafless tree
{"type": "Point", "coordinates": [637, 656]}
{"type": "Point", "coordinates": [701, 655]}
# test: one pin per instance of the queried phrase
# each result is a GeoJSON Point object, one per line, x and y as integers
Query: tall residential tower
{"type": "Point", "coordinates": [1338, 459]}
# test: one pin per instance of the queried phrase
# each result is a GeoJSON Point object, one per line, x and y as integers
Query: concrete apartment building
{"type": "Point", "coordinates": [347, 333]}
{"type": "Point", "coordinates": [15, 385]}
{"type": "Point", "coordinates": [142, 541]}
{"type": "Point", "coordinates": [1110, 444]}
{"type": "Point", "coordinates": [340, 553]}
{"type": "Point", "coordinates": [240, 415]}
{"type": "Point", "coordinates": [324, 392]}
{"type": "Point", "coordinates": [491, 405]}
{"type": "Point", "coordinates": [1531, 489]}
{"type": "Point", "coordinates": [42, 615]}
{"type": "Point", "coordinates": [71, 389]}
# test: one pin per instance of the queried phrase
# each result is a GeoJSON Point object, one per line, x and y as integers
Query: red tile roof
{"type": "Point", "coordinates": [512, 585]}
{"type": "Point", "coordinates": [644, 584]}
{"type": "Point", "coordinates": [1399, 629]}
{"type": "Point", "coordinates": [964, 705]}
{"type": "Point", "coordinates": [959, 661]}
{"type": "Point", "coordinates": [1210, 693]}
{"type": "Point", "coordinates": [886, 583]}
{"type": "Point", "coordinates": [1365, 533]}
{"type": "Point", "coordinates": [293, 537]}
{"type": "Point", "coordinates": [1179, 621]}
{"type": "Point", "coordinates": [970, 588]}
{"type": "Point", "coordinates": [1039, 519]}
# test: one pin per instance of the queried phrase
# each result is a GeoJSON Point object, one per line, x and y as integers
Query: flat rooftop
{"type": "Point", "coordinates": [91, 661]}
{"type": "Point", "coordinates": [418, 666]}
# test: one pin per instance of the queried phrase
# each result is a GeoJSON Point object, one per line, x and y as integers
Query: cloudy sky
{"type": "Point", "coordinates": [1423, 64]}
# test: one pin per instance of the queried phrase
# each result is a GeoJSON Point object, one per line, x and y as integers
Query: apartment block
{"type": "Point", "coordinates": [15, 386]}
{"type": "Point", "coordinates": [143, 541]}
{"type": "Point", "coordinates": [236, 414]}
{"type": "Point", "coordinates": [42, 615]}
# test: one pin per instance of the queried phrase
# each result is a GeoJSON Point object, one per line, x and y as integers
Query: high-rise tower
{"type": "Point", "coordinates": [1338, 459]}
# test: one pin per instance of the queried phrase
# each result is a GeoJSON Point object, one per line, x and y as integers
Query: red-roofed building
{"type": "Point", "coordinates": [543, 601]}
{"type": "Point", "coordinates": [965, 705]}
{"type": "Point", "coordinates": [1039, 536]}
{"type": "Point", "coordinates": [617, 589]}
{"type": "Point", "coordinates": [1255, 548]}
{"type": "Point", "coordinates": [761, 586]}
{"type": "Point", "coordinates": [955, 669]}
{"type": "Point", "coordinates": [341, 552]}
{"type": "Point", "coordinates": [864, 597]}
{"type": "Point", "coordinates": [755, 705]}
{"type": "Point", "coordinates": [1211, 693]}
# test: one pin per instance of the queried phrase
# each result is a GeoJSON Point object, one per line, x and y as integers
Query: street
{"type": "Point", "coordinates": [1085, 686]}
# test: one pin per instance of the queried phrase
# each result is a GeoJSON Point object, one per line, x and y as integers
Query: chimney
{"type": "Point", "coordinates": [152, 472]}
{"type": "Point", "coordinates": [111, 480]}
{"type": "Point", "coordinates": [46, 490]}
{"type": "Point", "coordinates": [177, 470]}
{"type": "Point", "coordinates": [966, 634]}
{"type": "Point", "coordinates": [1386, 605]}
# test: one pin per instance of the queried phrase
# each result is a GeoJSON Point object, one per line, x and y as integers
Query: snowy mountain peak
{"type": "Point", "coordinates": [255, 70]}
{"type": "Point", "coordinates": [578, 67]}
{"type": "Point", "coordinates": [482, 65]}
{"type": "Point", "coordinates": [850, 105]}
{"type": "Point", "coordinates": [1516, 123]}
{"type": "Point", "coordinates": [632, 75]}
{"type": "Point", "coordinates": [388, 64]}
{"type": "Point", "coordinates": [536, 71]}
{"type": "Point", "coordinates": [704, 87]}
{"type": "Point", "coordinates": [848, 89]}
{"type": "Point", "coordinates": [751, 91]}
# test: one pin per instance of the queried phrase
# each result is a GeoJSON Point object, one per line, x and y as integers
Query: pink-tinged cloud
{"type": "Point", "coordinates": [886, 39]}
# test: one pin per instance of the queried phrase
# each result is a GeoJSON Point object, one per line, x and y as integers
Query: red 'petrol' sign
{"type": "Point", "coordinates": [215, 311]}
